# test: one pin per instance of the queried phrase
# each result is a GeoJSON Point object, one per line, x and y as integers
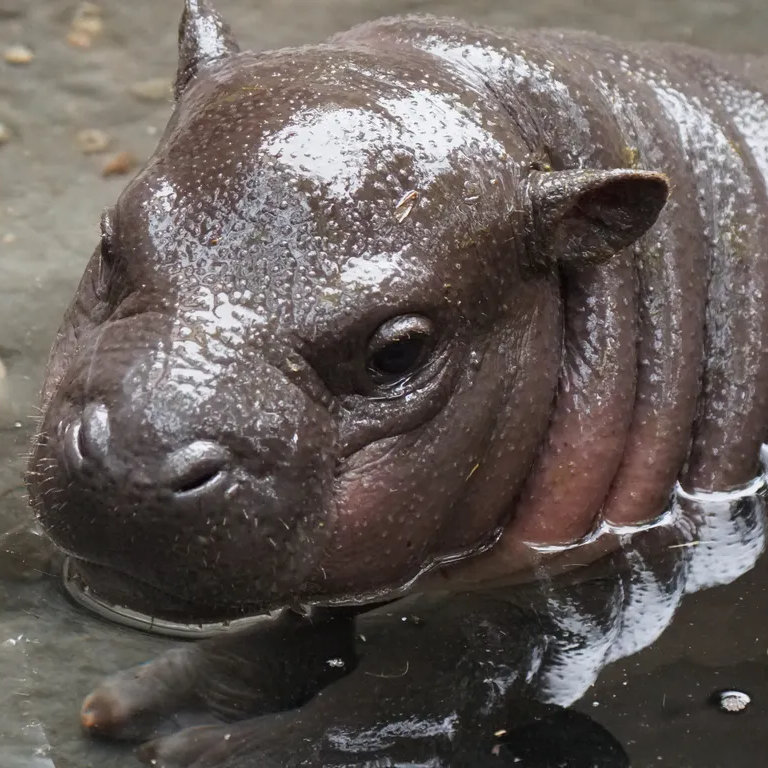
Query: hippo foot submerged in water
{"type": "Point", "coordinates": [425, 308]}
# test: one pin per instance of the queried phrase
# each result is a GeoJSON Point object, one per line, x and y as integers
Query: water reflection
{"type": "Point", "coordinates": [705, 540]}
{"type": "Point", "coordinates": [564, 633]}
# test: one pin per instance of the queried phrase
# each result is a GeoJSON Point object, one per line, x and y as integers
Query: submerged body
{"type": "Point", "coordinates": [427, 305]}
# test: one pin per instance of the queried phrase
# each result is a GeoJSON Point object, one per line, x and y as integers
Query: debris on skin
{"type": "Point", "coordinates": [405, 205]}
{"type": "Point", "coordinates": [18, 54]}
{"type": "Point", "coordinates": [154, 89]}
{"type": "Point", "coordinates": [86, 25]}
{"type": "Point", "coordinates": [5, 134]}
{"type": "Point", "coordinates": [119, 164]}
{"type": "Point", "coordinates": [91, 141]}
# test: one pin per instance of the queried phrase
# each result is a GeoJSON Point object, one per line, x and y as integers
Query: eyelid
{"type": "Point", "coordinates": [106, 225]}
{"type": "Point", "coordinates": [400, 329]}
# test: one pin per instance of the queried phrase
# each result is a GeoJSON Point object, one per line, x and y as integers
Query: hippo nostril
{"type": "Point", "coordinates": [86, 438]}
{"type": "Point", "coordinates": [195, 468]}
{"type": "Point", "coordinates": [202, 476]}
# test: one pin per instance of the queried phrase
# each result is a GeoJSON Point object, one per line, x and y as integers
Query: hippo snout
{"type": "Point", "coordinates": [163, 478]}
{"type": "Point", "coordinates": [198, 469]}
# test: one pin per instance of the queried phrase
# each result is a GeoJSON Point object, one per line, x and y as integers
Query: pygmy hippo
{"type": "Point", "coordinates": [425, 307]}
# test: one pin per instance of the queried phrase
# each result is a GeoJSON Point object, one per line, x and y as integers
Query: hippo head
{"type": "Point", "coordinates": [316, 349]}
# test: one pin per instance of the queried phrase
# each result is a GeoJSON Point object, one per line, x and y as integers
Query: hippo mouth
{"type": "Point", "coordinates": [125, 600]}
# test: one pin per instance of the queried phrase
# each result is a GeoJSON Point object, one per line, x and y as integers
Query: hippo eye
{"type": "Point", "coordinates": [399, 348]}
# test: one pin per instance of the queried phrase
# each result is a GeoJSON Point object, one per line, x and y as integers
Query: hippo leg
{"type": "Point", "coordinates": [433, 679]}
{"type": "Point", "coordinates": [436, 678]}
{"type": "Point", "coordinates": [423, 683]}
{"type": "Point", "coordinates": [224, 679]}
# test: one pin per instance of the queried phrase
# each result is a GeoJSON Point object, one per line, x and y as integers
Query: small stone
{"type": "Point", "coordinates": [732, 701]}
{"type": "Point", "coordinates": [18, 54]}
{"type": "Point", "coordinates": [8, 238]}
{"type": "Point", "coordinates": [79, 39]}
{"type": "Point", "coordinates": [154, 89]}
{"type": "Point", "coordinates": [86, 25]}
{"type": "Point", "coordinates": [5, 133]}
{"type": "Point", "coordinates": [119, 164]}
{"type": "Point", "coordinates": [92, 141]}
{"type": "Point", "coordinates": [3, 372]}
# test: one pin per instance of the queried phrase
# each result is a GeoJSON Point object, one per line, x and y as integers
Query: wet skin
{"type": "Point", "coordinates": [420, 307]}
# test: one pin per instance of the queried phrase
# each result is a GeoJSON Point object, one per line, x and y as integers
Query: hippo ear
{"type": "Point", "coordinates": [204, 38]}
{"type": "Point", "coordinates": [585, 217]}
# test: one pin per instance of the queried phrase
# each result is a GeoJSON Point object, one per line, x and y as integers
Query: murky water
{"type": "Point", "coordinates": [657, 703]}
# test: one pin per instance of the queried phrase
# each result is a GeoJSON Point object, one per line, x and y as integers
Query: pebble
{"type": "Point", "coordinates": [119, 164]}
{"type": "Point", "coordinates": [18, 54]}
{"type": "Point", "coordinates": [79, 39]}
{"type": "Point", "coordinates": [86, 25]}
{"type": "Point", "coordinates": [9, 237]}
{"type": "Point", "coordinates": [92, 141]}
{"type": "Point", "coordinates": [3, 373]}
{"type": "Point", "coordinates": [5, 133]}
{"type": "Point", "coordinates": [154, 89]}
{"type": "Point", "coordinates": [732, 701]}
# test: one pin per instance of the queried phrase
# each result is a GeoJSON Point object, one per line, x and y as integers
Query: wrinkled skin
{"type": "Point", "coordinates": [423, 306]}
